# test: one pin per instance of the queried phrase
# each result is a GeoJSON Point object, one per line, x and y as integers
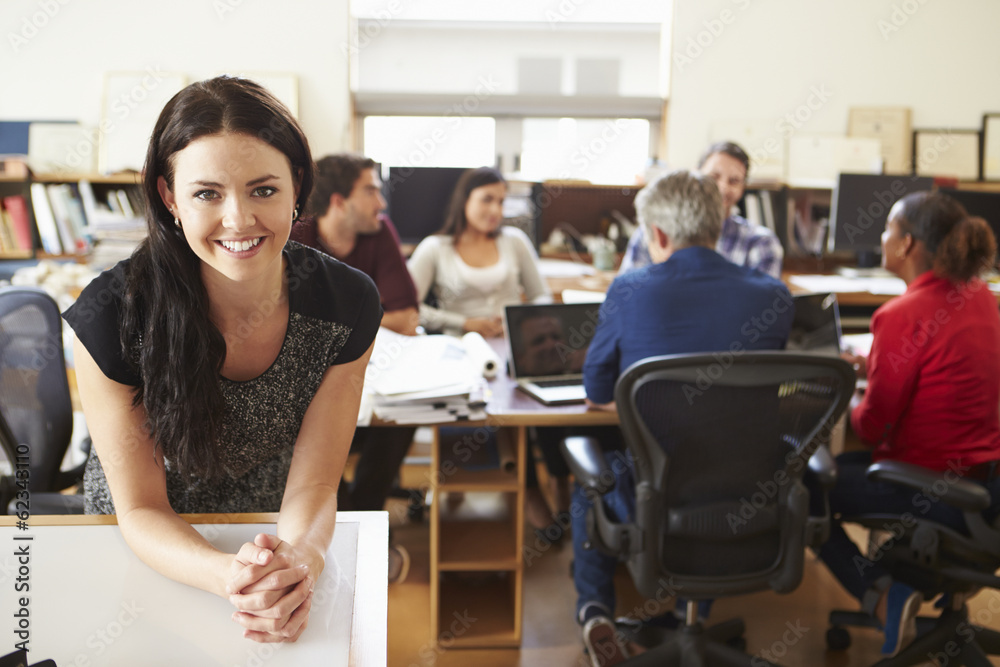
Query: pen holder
{"type": "Point", "coordinates": [602, 253]}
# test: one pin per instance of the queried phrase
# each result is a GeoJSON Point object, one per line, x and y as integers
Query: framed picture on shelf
{"type": "Point", "coordinates": [991, 147]}
{"type": "Point", "coordinates": [132, 103]}
{"type": "Point", "coordinates": [946, 152]}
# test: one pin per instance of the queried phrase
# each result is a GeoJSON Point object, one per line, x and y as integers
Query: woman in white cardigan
{"type": "Point", "coordinates": [474, 266]}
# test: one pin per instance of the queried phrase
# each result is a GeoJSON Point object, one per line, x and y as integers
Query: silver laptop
{"type": "Point", "coordinates": [546, 346]}
{"type": "Point", "coordinates": [816, 326]}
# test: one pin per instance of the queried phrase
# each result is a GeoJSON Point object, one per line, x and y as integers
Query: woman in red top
{"type": "Point", "coordinates": [933, 396]}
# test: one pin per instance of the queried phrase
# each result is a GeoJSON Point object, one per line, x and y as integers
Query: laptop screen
{"type": "Point", "coordinates": [549, 340]}
{"type": "Point", "coordinates": [816, 327]}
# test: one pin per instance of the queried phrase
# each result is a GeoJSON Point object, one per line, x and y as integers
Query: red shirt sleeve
{"type": "Point", "coordinates": [892, 374]}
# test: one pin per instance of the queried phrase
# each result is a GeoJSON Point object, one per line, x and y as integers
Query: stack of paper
{"type": "Point", "coordinates": [423, 380]}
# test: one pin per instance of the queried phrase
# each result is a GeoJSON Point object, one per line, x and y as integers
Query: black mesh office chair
{"type": "Point", "coordinates": [935, 560]}
{"type": "Point", "coordinates": [35, 408]}
{"type": "Point", "coordinates": [720, 447]}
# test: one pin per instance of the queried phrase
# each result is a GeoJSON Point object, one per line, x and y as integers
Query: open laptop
{"type": "Point", "coordinates": [546, 346]}
{"type": "Point", "coordinates": [816, 326]}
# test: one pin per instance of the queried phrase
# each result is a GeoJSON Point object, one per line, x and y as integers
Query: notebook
{"type": "Point", "coordinates": [816, 326]}
{"type": "Point", "coordinates": [546, 346]}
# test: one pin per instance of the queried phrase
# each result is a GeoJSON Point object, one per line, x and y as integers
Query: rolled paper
{"type": "Point", "coordinates": [481, 354]}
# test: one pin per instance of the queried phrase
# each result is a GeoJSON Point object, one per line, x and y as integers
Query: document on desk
{"type": "Point", "coordinates": [93, 602]}
{"type": "Point", "coordinates": [426, 379]}
{"type": "Point", "coordinates": [843, 284]}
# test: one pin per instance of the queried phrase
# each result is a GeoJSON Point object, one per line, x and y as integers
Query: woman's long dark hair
{"type": "Point", "coordinates": [455, 221]}
{"type": "Point", "coordinates": [960, 247]}
{"type": "Point", "coordinates": [166, 332]}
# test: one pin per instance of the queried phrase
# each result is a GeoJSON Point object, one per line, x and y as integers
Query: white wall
{"type": "Point", "coordinates": [57, 72]}
{"type": "Point", "coordinates": [434, 59]}
{"type": "Point", "coordinates": [543, 11]}
{"type": "Point", "coordinates": [943, 62]}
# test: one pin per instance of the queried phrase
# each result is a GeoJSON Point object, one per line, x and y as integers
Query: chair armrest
{"type": "Point", "coordinates": [955, 491]}
{"type": "Point", "coordinates": [586, 461]}
{"type": "Point", "coordinates": [824, 467]}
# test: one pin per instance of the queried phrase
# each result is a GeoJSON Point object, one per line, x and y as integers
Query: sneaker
{"type": "Point", "coordinates": [603, 642]}
{"type": "Point", "coordinates": [902, 606]}
{"type": "Point", "coordinates": [399, 564]}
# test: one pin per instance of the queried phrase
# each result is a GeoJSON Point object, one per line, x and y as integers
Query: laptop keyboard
{"type": "Point", "coordinates": [558, 383]}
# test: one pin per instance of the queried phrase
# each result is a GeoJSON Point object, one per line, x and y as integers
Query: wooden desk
{"type": "Point", "coordinates": [91, 601]}
{"type": "Point", "coordinates": [598, 282]}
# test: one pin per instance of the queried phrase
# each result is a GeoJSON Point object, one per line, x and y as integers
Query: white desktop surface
{"type": "Point", "coordinates": [93, 602]}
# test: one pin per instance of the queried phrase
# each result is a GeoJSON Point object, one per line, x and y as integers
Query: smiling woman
{"type": "Point", "coordinates": [225, 373]}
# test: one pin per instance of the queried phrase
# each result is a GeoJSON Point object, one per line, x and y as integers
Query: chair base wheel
{"type": "Point", "coordinates": [838, 639]}
{"type": "Point", "coordinates": [738, 643]}
{"type": "Point", "coordinates": [415, 513]}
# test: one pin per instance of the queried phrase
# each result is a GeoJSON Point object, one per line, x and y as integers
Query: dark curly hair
{"type": "Point", "coordinates": [166, 332]}
{"type": "Point", "coordinates": [961, 247]}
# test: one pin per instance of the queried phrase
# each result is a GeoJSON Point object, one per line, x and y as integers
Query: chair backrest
{"type": "Point", "coordinates": [34, 391]}
{"type": "Point", "coordinates": [720, 444]}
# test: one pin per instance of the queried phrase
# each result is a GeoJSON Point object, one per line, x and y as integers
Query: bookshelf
{"type": "Point", "coordinates": [54, 216]}
{"type": "Point", "coordinates": [477, 568]}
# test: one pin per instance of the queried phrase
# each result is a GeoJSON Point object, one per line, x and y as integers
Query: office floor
{"type": "Point", "coordinates": [551, 637]}
{"type": "Point", "coordinates": [790, 629]}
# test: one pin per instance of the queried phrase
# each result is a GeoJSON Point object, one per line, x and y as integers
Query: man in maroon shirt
{"type": "Point", "coordinates": [343, 220]}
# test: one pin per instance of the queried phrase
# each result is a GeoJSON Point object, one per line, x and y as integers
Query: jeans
{"type": "Point", "coordinates": [853, 495]}
{"type": "Point", "coordinates": [382, 452]}
{"type": "Point", "coordinates": [594, 571]}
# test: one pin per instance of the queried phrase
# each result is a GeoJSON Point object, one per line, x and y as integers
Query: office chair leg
{"type": "Point", "coordinates": [989, 640]}
{"type": "Point", "coordinates": [974, 656]}
{"type": "Point", "coordinates": [928, 645]}
{"type": "Point", "coordinates": [727, 631]}
{"type": "Point", "coordinates": [720, 654]}
{"type": "Point", "coordinates": [667, 655]}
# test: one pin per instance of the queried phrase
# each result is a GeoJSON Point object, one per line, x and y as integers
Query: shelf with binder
{"type": "Point", "coordinates": [18, 236]}
{"type": "Point", "coordinates": [59, 216]}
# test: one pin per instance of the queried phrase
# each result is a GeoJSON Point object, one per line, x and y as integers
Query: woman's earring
{"type": "Point", "coordinates": [295, 214]}
{"type": "Point", "coordinates": [177, 223]}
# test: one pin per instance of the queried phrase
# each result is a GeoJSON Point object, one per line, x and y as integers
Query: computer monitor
{"type": "Point", "coordinates": [985, 205]}
{"type": "Point", "coordinates": [861, 204]}
{"type": "Point", "coordinates": [417, 199]}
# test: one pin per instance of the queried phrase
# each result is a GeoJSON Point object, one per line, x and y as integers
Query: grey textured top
{"type": "Point", "coordinates": [334, 315]}
{"type": "Point", "coordinates": [436, 266]}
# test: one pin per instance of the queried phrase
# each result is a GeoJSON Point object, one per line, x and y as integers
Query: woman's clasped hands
{"type": "Point", "coordinates": [271, 585]}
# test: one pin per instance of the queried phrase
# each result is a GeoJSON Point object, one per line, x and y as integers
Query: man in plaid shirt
{"type": "Point", "coordinates": [740, 242]}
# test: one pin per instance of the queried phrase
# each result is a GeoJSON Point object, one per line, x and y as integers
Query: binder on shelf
{"type": "Point", "coordinates": [45, 220]}
{"type": "Point", "coordinates": [107, 214]}
{"type": "Point", "coordinates": [767, 208]}
{"type": "Point", "coordinates": [60, 213]}
{"type": "Point", "coordinates": [123, 203]}
{"type": "Point", "coordinates": [8, 244]}
{"type": "Point", "coordinates": [77, 217]}
{"type": "Point", "coordinates": [752, 204]}
{"type": "Point", "coordinates": [17, 208]}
